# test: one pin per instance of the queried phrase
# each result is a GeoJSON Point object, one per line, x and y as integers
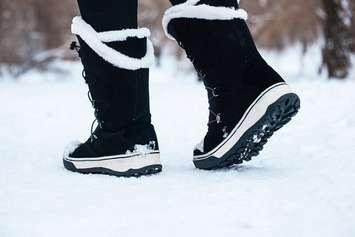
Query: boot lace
{"type": "Point", "coordinates": [214, 99]}
{"type": "Point", "coordinates": [95, 103]}
{"type": "Point", "coordinates": [97, 119]}
{"type": "Point", "coordinates": [218, 116]}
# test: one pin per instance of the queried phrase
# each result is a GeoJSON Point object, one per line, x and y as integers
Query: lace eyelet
{"type": "Point", "coordinates": [225, 133]}
{"type": "Point", "coordinates": [201, 75]}
{"type": "Point", "coordinates": [83, 74]}
{"type": "Point", "coordinates": [213, 91]}
{"type": "Point", "coordinates": [218, 118]}
{"type": "Point", "coordinates": [214, 94]}
{"type": "Point", "coordinates": [75, 46]}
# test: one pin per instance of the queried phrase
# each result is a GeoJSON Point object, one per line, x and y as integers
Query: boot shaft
{"type": "Point", "coordinates": [217, 40]}
{"type": "Point", "coordinates": [120, 96]}
{"type": "Point", "coordinates": [116, 71]}
{"type": "Point", "coordinates": [218, 49]}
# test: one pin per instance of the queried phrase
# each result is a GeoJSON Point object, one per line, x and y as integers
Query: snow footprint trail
{"type": "Point", "coordinates": [301, 184]}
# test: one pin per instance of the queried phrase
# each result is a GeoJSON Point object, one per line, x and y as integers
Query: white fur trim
{"type": "Point", "coordinates": [122, 35]}
{"type": "Point", "coordinates": [95, 41]}
{"type": "Point", "coordinates": [189, 9]}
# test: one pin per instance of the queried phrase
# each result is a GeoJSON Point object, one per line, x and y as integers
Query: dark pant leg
{"type": "Point", "coordinates": [227, 3]}
{"type": "Point", "coordinates": [174, 2]}
{"type": "Point", "coordinates": [104, 15]}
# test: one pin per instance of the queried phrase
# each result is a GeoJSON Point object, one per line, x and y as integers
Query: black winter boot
{"type": "Point", "coordinates": [248, 99]}
{"type": "Point", "coordinates": [116, 64]}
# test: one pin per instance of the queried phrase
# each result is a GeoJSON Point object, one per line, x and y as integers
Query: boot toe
{"type": "Point", "coordinates": [78, 150]}
{"type": "Point", "coordinates": [82, 151]}
{"type": "Point", "coordinates": [197, 152]}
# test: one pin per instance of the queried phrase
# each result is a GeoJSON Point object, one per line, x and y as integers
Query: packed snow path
{"type": "Point", "coordinates": [302, 184]}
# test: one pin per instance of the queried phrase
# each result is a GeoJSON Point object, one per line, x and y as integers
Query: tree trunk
{"type": "Point", "coordinates": [352, 27]}
{"type": "Point", "coordinates": [336, 55]}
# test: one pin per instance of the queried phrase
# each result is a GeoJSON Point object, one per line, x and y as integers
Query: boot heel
{"type": "Point", "coordinates": [270, 111]}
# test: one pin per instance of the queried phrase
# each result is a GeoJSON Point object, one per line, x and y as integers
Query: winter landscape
{"type": "Point", "coordinates": [302, 184]}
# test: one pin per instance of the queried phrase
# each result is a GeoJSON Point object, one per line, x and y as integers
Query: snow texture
{"type": "Point", "coordinates": [302, 184]}
{"type": "Point", "coordinates": [95, 41]}
{"type": "Point", "coordinates": [141, 149]}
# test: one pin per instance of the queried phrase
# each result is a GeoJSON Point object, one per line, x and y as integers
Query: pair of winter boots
{"type": "Point", "coordinates": [248, 100]}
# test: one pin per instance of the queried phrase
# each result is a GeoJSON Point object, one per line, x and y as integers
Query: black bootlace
{"type": "Point", "coordinates": [216, 94]}
{"type": "Point", "coordinates": [217, 115]}
{"type": "Point", "coordinates": [99, 122]}
{"type": "Point", "coordinates": [74, 46]}
{"type": "Point", "coordinates": [213, 101]}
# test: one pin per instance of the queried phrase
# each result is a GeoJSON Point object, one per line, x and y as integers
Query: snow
{"type": "Point", "coordinates": [302, 184]}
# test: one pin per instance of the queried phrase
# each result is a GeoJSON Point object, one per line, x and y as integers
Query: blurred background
{"type": "Point", "coordinates": [34, 33]}
{"type": "Point", "coordinates": [44, 105]}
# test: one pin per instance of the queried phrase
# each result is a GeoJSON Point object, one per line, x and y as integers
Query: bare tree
{"type": "Point", "coordinates": [30, 27]}
{"type": "Point", "coordinates": [352, 27]}
{"type": "Point", "coordinates": [336, 31]}
{"type": "Point", "coordinates": [279, 23]}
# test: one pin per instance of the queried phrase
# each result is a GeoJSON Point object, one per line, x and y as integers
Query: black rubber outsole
{"type": "Point", "coordinates": [253, 140]}
{"type": "Point", "coordinates": [147, 170]}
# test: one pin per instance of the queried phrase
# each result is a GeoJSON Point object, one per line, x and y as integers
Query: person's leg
{"type": "Point", "coordinates": [226, 3]}
{"type": "Point", "coordinates": [248, 99]}
{"type": "Point", "coordinates": [109, 14]}
{"type": "Point", "coordinates": [116, 57]}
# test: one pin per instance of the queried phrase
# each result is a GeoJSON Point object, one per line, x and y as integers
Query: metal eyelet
{"type": "Point", "coordinates": [218, 118]}
{"type": "Point", "coordinates": [225, 133]}
{"type": "Point", "coordinates": [214, 94]}
{"type": "Point", "coordinates": [201, 75]}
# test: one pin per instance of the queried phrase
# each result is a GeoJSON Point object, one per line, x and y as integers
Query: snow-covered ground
{"type": "Point", "coordinates": [302, 184]}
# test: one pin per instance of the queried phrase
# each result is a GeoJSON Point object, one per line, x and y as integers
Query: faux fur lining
{"type": "Point", "coordinates": [189, 9]}
{"type": "Point", "coordinates": [96, 41]}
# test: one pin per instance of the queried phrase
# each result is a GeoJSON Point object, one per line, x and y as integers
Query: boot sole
{"type": "Point", "coordinates": [279, 105]}
{"type": "Point", "coordinates": [134, 165]}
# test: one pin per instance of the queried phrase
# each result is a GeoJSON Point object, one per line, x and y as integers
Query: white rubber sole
{"type": "Point", "coordinates": [134, 164]}
{"type": "Point", "coordinates": [252, 115]}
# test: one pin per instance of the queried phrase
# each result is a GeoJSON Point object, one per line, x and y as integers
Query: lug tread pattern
{"type": "Point", "coordinates": [147, 170]}
{"type": "Point", "coordinates": [252, 142]}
